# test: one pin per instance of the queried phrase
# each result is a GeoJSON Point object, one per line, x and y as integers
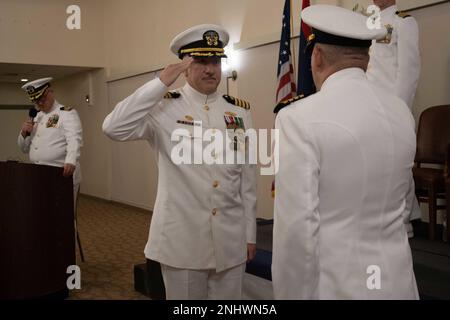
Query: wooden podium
{"type": "Point", "coordinates": [37, 238]}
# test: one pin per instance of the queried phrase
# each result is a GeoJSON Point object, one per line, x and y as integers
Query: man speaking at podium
{"type": "Point", "coordinates": [54, 136]}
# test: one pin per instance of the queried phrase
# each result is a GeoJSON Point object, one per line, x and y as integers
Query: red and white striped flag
{"type": "Point", "coordinates": [286, 84]}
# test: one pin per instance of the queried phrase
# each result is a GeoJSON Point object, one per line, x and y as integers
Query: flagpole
{"type": "Point", "coordinates": [292, 42]}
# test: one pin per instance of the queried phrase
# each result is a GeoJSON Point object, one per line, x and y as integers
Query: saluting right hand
{"type": "Point", "coordinates": [27, 127]}
{"type": "Point", "coordinates": [171, 73]}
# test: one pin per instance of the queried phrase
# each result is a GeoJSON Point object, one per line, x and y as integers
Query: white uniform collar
{"type": "Point", "coordinates": [55, 106]}
{"type": "Point", "coordinates": [197, 97]}
{"type": "Point", "coordinates": [341, 75]}
{"type": "Point", "coordinates": [389, 11]}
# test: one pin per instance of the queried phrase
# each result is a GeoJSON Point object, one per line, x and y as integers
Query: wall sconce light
{"type": "Point", "coordinates": [233, 75]}
{"type": "Point", "coordinates": [87, 98]}
{"type": "Point", "coordinates": [230, 74]}
{"type": "Point", "coordinates": [229, 65]}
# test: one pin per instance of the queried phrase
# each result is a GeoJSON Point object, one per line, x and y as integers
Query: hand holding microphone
{"type": "Point", "coordinates": [27, 126]}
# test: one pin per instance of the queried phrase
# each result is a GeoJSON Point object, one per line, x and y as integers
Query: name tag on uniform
{"type": "Point", "coordinates": [189, 121]}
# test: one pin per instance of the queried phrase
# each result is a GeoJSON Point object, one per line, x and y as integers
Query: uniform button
{"type": "Point", "coordinates": [206, 108]}
{"type": "Point", "coordinates": [35, 148]}
{"type": "Point", "coordinates": [214, 211]}
{"type": "Point", "coordinates": [216, 184]}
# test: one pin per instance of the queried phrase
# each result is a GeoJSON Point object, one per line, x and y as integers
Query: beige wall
{"type": "Point", "coordinates": [133, 164]}
{"type": "Point", "coordinates": [10, 93]}
{"type": "Point", "coordinates": [35, 32]}
{"type": "Point", "coordinates": [95, 154]}
{"type": "Point", "coordinates": [143, 45]}
{"type": "Point", "coordinates": [10, 124]}
{"type": "Point", "coordinates": [11, 121]}
{"type": "Point", "coordinates": [434, 85]}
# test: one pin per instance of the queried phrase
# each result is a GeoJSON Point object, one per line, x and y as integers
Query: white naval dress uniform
{"type": "Point", "coordinates": [395, 62]}
{"type": "Point", "coordinates": [345, 161]}
{"type": "Point", "coordinates": [395, 66]}
{"type": "Point", "coordinates": [56, 139]}
{"type": "Point", "coordinates": [204, 215]}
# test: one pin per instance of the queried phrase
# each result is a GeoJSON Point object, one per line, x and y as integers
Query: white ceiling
{"type": "Point", "coordinates": [14, 72]}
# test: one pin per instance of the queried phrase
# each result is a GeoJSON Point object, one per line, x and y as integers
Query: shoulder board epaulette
{"type": "Point", "coordinates": [287, 102]}
{"type": "Point", "coordinates": [402, 14]}
{"type": "Point", "coordinates": [172, 95]}
{"type": "Point", "coordinates": [237, 102]}
{"type": "Point", "coordinates": [65, 108]}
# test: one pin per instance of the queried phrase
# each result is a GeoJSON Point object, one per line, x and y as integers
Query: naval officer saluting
{"type": "Point", "coordinates": [203, 228]}
{"type": "Point", "coordinates": [395, 59]}
{"type": "Point", "coordinates": [395, 66]}
{"type": "Point", "coordinates": [54, 137]}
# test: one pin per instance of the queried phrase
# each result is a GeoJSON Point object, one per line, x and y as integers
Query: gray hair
{"type": "Point", "coordinates": [341, 57]}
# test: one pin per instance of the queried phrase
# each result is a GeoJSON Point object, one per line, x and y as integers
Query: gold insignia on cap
{"type": "Point", "coordinates": [30, 89]}
{"type": "Point", "coordinates": [189, 118]}
{"type": "Point", "coordinates": [35, 93]}
{"type": "Point", "coordinates": [211, 37]}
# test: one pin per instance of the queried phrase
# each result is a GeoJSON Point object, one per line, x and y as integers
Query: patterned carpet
{"type": "Point", "coordinates": [113, 237]}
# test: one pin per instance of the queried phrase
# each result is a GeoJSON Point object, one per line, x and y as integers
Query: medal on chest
{"type": "Point", "coordinates": [52, 121]}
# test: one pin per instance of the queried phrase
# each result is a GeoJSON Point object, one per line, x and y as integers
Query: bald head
{"type": "Point", "coordinates": [328, 59]}
{"type": "Point", "coordinates": [383, 4]}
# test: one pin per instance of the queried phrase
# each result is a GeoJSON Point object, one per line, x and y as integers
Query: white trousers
{"type": "Point", "coordinates": [185, 284]}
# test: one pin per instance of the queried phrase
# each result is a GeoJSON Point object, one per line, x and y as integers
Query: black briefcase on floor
{"type": "Point", "coordinates": [148, 280]}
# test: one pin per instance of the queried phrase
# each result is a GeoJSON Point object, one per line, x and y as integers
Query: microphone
{"type": "Point", "coordinates": [32, 113]}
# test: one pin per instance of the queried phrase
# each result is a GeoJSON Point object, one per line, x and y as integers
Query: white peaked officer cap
{"type": "Point", "coordinates": [205, 40]}
{"type": "Point", "coordinates": [339, 26]}
{"type": "Point", "coordinates": [36, 88]}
